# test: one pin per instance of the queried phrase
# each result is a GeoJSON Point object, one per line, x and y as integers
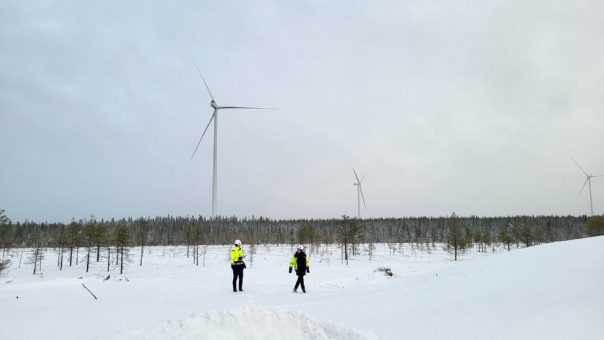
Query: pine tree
{"type": "Point", "coordinates": [108, 239]}
{"type": "Point", "coordinates": [99, 237]}
{"type": "Point", "coordinates": [355, 229]}
{"type": "Point", "coordinates": [344, 235]}
{"type": "Point", "coordinates": [505, 236]}
{"type": "Point", "coordinates": [143, 226]}
{"type": "Point", "coordinates": [63, 241]}
{"type": "Point", "coordinates": [74, 232]}
{"type": "Point", "coordinates": [4, 264]}
{"type": "Point", "coordinates": [37, 254]}
{"type": "Point", "coordinates": [526, 235]}
{"type": "Point", "coordinates": [122, 240]}
{"type": "Point", "coordinates": [595, 226]}
{"type": "Point", "coordinates": [456, 241]}
{"type": "Point", "coordinates": [89, 234]}
{"type": "Point", "coordinates": [348, 230]}
{"type": "Point", "coordinates": [6, 233]}
{"type": "Point", "coordinates": [307, 235]}
{"type": "Point", "coordinates": [189, 236]}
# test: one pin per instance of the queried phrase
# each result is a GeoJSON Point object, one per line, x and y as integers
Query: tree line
{"type": "Point", "coordinates": [111, 239]}
{"type": "Point", "coordinates": [191, 231]}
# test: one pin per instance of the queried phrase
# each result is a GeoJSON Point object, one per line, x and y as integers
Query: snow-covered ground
{"type": "Point", "coordinates": [552, 291]}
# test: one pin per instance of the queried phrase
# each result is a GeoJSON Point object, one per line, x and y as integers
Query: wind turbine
{"type": "Point", "coordinates": [587, 181]}
{"type": "Point", "coordinates": [214, 118]}
{"type": "Point", "coordinates": [359, 193]}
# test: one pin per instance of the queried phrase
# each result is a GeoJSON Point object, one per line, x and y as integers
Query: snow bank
{"type": "Point", "coordinates": [552, 291]}
{"type": "Point", "coordinates": [247, 323]}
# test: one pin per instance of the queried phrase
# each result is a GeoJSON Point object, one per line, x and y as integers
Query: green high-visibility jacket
{"type": "Point", "coordinates": [236, 253]}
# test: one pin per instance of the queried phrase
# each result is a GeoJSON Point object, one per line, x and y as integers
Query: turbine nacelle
{"type": "Point", "coordinates": [214, 105]}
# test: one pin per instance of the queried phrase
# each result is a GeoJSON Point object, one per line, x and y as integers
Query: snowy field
{"type": "Point", "coordinates": [552, 291]}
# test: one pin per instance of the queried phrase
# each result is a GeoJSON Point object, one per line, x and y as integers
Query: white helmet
{"type": "Point", "coordinates": [238, 242]}
{"type": "Point", "coordinates": [300, 247]}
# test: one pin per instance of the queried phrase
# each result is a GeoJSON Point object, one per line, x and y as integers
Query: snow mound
{"type": "Point", "coordinates": [248, 323]}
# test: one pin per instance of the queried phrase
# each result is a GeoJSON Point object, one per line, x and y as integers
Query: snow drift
{"type": "Point", "coordinates": [248, 323]}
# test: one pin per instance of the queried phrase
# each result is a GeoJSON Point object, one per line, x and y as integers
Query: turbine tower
{"type": "Point", "coordinates": [359, 193]}
{"type": "Point", "coordinates": [214, 118]}
{"type": "Point", "coordinates": [587, 181]}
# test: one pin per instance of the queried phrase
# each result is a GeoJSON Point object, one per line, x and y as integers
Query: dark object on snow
{"type": "Point", "coordinates": [89, 291]}
{"type": "Point", "coordinates": [107, 278]}
{"type": "Point", "coordinates": [386, 271]}
{"type": "Point", "coordinates": [237, 273]}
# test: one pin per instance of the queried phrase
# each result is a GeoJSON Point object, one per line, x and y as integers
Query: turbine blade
{"type": "Point", "coordinates": [204, 133]}
{"type": "Point", "coordinates": [363, 178]}
{"type": "Point", "coordinates": [246, 108]}
{"type": "Point", "coordinates": [579, 166]}
{"type": "Point", "coordinates": [204, 80]}
{"type": "Point", "coordinates": [357, 176]}
{"type": "Point", "coordinates": [362, 196]}
{"type": "Point", "coordinates": [583, 187]}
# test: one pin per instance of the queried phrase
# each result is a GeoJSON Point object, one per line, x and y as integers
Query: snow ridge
{"type": "Point", "coordinates": [248, 323]}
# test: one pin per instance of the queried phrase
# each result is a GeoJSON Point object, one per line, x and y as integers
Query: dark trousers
{"type": "Point", "coordinates": [237, 272]}
{"type": "Point", "coordinates": [300, 281]}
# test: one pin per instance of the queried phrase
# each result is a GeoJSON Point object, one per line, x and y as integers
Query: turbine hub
{"type": "Point", "coordinates": [213, 104]}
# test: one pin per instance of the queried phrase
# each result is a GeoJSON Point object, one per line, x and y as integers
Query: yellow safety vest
{"type": "Point", "coordinates": [236, 253]}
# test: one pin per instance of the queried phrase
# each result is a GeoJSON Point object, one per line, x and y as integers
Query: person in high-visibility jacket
{"type": "Point", "coordinates": [300, 262]}
{"type": "Point", "coordinates": [237, 265]}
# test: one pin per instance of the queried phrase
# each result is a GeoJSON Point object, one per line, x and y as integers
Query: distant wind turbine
{"type": "Point", "coordinates": [359, 193]}
{"type": "Point", "coordinates": [214, 118]}
{"type": "Point", "coordinates": [587, 181]}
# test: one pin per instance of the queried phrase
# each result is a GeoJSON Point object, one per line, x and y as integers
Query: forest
{"type": "Point", "coordinates": [172, 230]}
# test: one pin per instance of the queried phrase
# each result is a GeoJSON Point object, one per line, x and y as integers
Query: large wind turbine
{"type": "Point", "coordinates": [214, 118]}
{"type": "Point", "coordinates": [359, 193]}
{"type": "Point", "coordinates": [587, 181]}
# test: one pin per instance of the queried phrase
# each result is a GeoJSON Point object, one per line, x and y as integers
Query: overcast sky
{"type": "Point", "coordinates": [466, 106]}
